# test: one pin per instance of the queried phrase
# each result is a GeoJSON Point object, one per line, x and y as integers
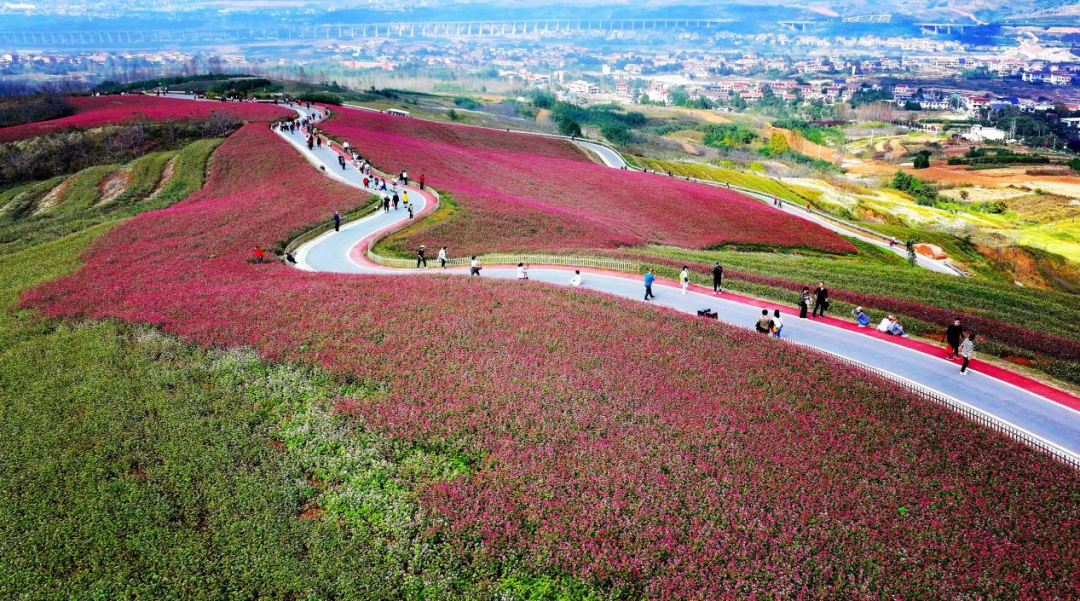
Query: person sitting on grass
{"type": "Point", "coordinates": [886, 324]}
{"type": "Point", "coordinates": [895, 329]}
{"type": "Point", "coordinates": [861, 317]}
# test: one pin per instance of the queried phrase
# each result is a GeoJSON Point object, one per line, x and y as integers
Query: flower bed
{"type": "Point", "coordinates": [94, 111]}
{"type": "Point", "coordinates": [518, 192]}
{"type": "Point", "coordinates": [648, 454]}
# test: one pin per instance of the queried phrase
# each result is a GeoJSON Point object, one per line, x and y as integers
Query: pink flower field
{"type": "Point", "coordinates": [520, 192]}
{"type": "Point", "coordinates": [648, 454]}
{"type": "Point", "coordinates": [95, 111]}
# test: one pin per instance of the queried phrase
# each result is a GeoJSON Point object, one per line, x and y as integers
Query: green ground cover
{"type": "Point", "coordinates": [135, 466]}
{"type": "Point", "coordinates": [78, 207]}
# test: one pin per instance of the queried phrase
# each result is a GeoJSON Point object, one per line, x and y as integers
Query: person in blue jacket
{"type": "Point", "coordinates": [649, 279]}
{"type": "Point", "coordinates": [861, 317]}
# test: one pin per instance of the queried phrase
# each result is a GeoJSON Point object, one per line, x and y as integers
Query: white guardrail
{"type": "Point", "coordinates": [967, 411]}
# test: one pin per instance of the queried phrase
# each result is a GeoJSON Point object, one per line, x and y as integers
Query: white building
{"type": "Point", "coordinates": [978, 133]}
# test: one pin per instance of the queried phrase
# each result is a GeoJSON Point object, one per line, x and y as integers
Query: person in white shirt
{"type": "Point", "coordinates": [886, 323]}
{"type": "Point", "coordinates": [684, 278]}
{"type": "Point", "coordinates": [442, 257]}
{"type": "Point", "coordinates": [576, 280]}
{"type": "Point", "coordinates": [521, 274]}
{"type": "Point", "coordinates": [474, 266]}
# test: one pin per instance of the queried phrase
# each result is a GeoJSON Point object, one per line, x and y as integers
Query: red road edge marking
{"type": "Point", "coordinates": [358, 254]}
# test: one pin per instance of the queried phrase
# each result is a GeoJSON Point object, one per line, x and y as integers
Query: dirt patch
{"type": "Point", "coordinates": [310, 511]}
{"type": "Point", "coordinates": [167, 175]}
{"type": "Point", "coordinates": [112, 186]}
{"type": "Point", "coordinates": [1018, 360]}
{"type": "Point", "coordinates": [542, 115]}
{"type": "Point", "coordinates": [277, 444]}
{"type": "Point", "coordinates": [801, 144]}
{"type": "Point", "coordinates": [54, 198]}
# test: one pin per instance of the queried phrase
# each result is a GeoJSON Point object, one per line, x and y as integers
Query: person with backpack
{"type": "Point", "coordinates": [764, 324]}
{"type": "Point", "coordinates": [967, 351]}
{"type": "Point", "coordinates": [821, 300]}
{"type": "Point", "coordinates": [778, 323]}
{"type": "Point", "coordinates": [717, 278]}
{"type": "Point", "coordinates": [649, 279]}
{"type": "Point", "coordinates": [684, 279]}
{"type": "Point", "coordinates": [953, 334]}
{"type": "Point", "coordinates": [804, 302]}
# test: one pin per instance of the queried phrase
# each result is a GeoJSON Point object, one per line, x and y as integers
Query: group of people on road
{"type": "Point", "coordinates": [770, 325]}
{"type": "Point", "coordinates": [959, 344]}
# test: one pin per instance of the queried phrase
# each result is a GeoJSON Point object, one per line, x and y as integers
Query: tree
{"type": "Point", "coordinates": [569, 127]}
{"type": "Point", "coordinates": [778, 144]}
{"type": "Point", "coordinates": [922, 161]}
{"type": "Point", "coordinates": [453, 115]}
{"type": "Point", "coordinates": [1075, 164]}
{"type": "Point", "coordinates": [678, 96]}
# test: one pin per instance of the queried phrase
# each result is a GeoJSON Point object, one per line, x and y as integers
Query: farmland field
{"type": "Point", "coordinates": [517, 192]}
{"type": "Point", "coordinates": [506, 430]}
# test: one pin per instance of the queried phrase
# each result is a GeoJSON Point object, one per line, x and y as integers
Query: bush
{"type": "Point", "coordinates": [321, 98]}
{"type": "Point", "coordinates": [29, 109]}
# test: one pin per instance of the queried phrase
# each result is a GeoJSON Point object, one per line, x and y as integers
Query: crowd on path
{"type": "Point", "coordinates": [960, 345]}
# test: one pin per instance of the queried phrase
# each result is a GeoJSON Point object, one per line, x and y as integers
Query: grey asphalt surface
{"type": "Point", "coordinates": [1054, 423]}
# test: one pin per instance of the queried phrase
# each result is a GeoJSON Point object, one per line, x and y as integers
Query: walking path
{"type": "Point", "coordinates": [1047, 415]}
{"type": "Point", "coordinates": [613, 159]}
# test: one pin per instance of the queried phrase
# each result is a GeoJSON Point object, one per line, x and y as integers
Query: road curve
{"type": "Point", "coordinates": [612, 158]}
{"type": "Point", "coordinates": [1042, 412]}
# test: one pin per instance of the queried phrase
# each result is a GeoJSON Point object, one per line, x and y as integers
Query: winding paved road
{"type": "Point", "coordinates": [1042, 412]}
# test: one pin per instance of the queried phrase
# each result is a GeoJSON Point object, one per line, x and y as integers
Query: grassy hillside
{"type": "Point", "coordinates": [37, 212]}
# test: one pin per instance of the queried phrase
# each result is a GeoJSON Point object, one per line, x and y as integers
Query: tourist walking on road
{"type": "Point", "coordinates": [804, 302]}
{"type": "Point", "coordinates": [764, 323]}
{"type": "Point", "coordinates": [576, 280]}
{"type": "Point", "coordinates": [718, 278]}
{"type": "Point", "coordinates": [953, 334]}
{"type": "Point", "coordinates": [420, 258]}
{"type": "Point", "coordinates": [649, 279]}
{"type": "Point", "coordinates": [967, 351]}
{"type": "Point", "coordinates": [474, 266]}
{"type": "Point", "coordinates": [337, 221]}
{"type": "Point", "coordinates": [777, 323]}
{"type": "Point", "coordinates": [386, 204]}
{"type": "Point", "coordinates": [442, 257]}
{"type": "Point", "coordinates": [341, 161]}
{"type": "Point", "coordinates": [821, 300]}
{"type": "Point", "coordinates": [684, 279]}
{"type": "Point", "coordinates": [404, 178]}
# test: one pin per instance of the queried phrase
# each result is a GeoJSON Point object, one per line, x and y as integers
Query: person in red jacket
{"type": "Point", "coordinates": [421, 181]}
{"type": "Point", "coordinates": [259, 255]}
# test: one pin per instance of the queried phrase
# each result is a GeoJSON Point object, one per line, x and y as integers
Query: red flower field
{"type": "Point", "coordinates": [518, 192]}
{"type": "Point", "coordinates": [650, 454]}
{"type": "Point", "coordinates": [94, 111]}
